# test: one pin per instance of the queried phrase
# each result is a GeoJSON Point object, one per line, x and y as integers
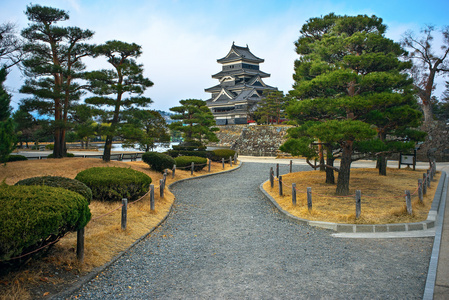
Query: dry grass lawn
{"type": "Point", "coordinates": [104, 238]}
{"type": "Point", "coordinates": [383, 197]}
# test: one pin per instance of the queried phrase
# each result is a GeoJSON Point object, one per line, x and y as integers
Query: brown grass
{"type": "Point", "coordinates": [104, 237]}
{"type": "Point", "coordinates": [383, 197]}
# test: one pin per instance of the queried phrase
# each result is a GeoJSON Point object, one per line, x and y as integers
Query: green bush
{"type": "Point", "coordinates": [222, 153]}
{"type": "Point", "coordinates": [176, 153]}
{"type": "Point", "coordinates": [186, 161]}
{"type": "Point", "coordinates": [67, 155]}
{"type": "Point", "coordinates": [190, 146]}
{"type": "Point", "coordinates": [16, 158]}
{"type": "Point", "coordinates": [33, 216]}
{"type": "Point", "coordinates": [50, 146]}
{"type": "Point", "coordinates": [113, 184]}
{"type": "Point", "coordinates": [63, 182]}
{"type": "Point", "coordinates": [158, 161]}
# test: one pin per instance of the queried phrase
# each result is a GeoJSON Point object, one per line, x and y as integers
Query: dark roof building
{"type": "Point", "coordinates": [240, 88]}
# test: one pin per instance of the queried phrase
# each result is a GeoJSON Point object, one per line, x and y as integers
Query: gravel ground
{"type": "Point", "coordinates": [225, 241]}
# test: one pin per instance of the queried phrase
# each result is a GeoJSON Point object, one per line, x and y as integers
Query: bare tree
{"type": "Point", "coordinates": [10, 46]}
{"type": "Point", "coordinates": [427, 63]}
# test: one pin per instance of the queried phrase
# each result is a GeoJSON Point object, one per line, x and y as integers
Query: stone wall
{"type": "Point", "coordinates": [436, 143]}
{"type": "Point", "coordinates": [261, 140]}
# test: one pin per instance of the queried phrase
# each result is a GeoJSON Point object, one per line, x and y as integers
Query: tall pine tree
{"type": "Point", "coordinates": [351, 90]}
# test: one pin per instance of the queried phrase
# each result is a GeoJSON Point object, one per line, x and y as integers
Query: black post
{"type": "Point", "coordinates": [424, 183]}
{"type": "Point", "coordinates": [309, 198]}
{"type": "Point", "coordinates": [173, 172]}
{"type": "Point", "coordinates": [210, 161]}
{"type": "Point", "coordinates": [152, 197]}
{"type": "Point", "coordinates": [192, 167]}
{"type": "Point", "coordinates": [420, 190]}
{"type": "Point", "coordinates": [277, 170]}
{"type": "Point", "coordinates": [80, 245]}
{"type": "Point", "coordinates": [124, 212]}
{"type": "Point", "coordinates": [291, 166]}
{"type": "Point", "coordinates": [294, 194]}
{"type": "Point", "coordinates": [280, 186]}
{"type": "Point", "coordinates": [358, 203]}
{"type": "Point", "coordinates": [271, 177]}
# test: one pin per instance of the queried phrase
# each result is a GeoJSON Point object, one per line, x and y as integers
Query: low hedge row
{"type": "Point", "coordinates": [67, 155]}
{"type": "Point", "coordinates": [176, 153]}
{"type": "Point", "coordinates": [218, 154]}
{"type": "Point", "coordinates": [114, 184]}
{"type": "Point", "coordinates": [158, 161]}
{"type": "Point", "coordinates": [63, 182]}
{"type": "Point", "coordinates": [33, 216]}
{"type": "Point", "coordinates": [186, 161]}
{"type": "Point", "coordinates": [16, 158]}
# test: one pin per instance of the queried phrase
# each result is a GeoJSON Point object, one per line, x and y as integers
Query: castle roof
{"type": "Point", "coordinates": [240, 72]}
{"type": "Point", "coordinates": [239, 53]}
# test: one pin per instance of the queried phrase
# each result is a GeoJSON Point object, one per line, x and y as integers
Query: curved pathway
{"type": "Point", "coordinates": [225, 241]}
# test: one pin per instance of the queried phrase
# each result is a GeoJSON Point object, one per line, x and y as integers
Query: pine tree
{"type": "Point", "coordinates": [7, 137]}
{"type": "Point", "coordinates": [119, 89]}
{"type": "Point", "coordinates": [350, 86]}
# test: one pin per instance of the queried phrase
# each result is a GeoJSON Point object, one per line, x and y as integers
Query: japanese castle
{"type": "Point", "coordinates": [240, 87]}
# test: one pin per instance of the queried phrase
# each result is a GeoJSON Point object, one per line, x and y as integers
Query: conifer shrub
{"type": "Point", "coordinates": [34, 216]}
{"type": "Point", "coordinates": [218, 154]}
{"type": "Point", "coordinates": [16, 158]}
{"type": "Point", "coordinates": [50, 146]}
{"type": "Point", "coordinates": [158, 161]}
{"type": "Point", "coordinates": [176, 153]}
{"type": "Point", "coordinates": [186, 161]}
{"type": "Point", "coordinates": [63, 182]}
{"type": "Point", "coordinates": [114, 184]}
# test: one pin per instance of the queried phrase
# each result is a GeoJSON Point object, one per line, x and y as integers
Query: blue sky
{"type": "Point", "coordinates": [182, 39]}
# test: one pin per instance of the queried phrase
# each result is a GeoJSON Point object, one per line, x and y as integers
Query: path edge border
{"type": "Point", "coordinates": [92, 274]}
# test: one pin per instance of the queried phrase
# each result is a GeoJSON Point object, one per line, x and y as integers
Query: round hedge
{"type": "Point", "coordinates": [114, 184]}
{"type": "Point", "coordinates": [63, 182]}
{"type": "Point", "coordinates": [158, 161]}
{"type": "Point", "coordinates": [218, 154]}
{"type": "Point", "coordinates": [33, 216]}
{"type": "Point", "coordinates": [16, 158]}
{"type": "Point", "coordinates": [186, 161]}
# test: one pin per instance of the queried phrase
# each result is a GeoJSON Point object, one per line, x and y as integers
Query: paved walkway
{"type": "Point", "coordinates": [225, 241]}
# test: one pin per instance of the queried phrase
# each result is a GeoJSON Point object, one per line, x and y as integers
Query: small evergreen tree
{"type": "Point", "coordinates": [196, 121]}
{"type": "Point", "coordinates": [7, 137]}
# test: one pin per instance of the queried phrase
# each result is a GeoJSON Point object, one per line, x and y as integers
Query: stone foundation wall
{"type": "Point", "coordinates": [436, 143]}
{"type": "Point", "coordinates": [261, 140]}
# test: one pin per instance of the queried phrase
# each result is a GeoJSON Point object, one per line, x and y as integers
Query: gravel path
{"type": "Point", "coordinates": [225, 241]}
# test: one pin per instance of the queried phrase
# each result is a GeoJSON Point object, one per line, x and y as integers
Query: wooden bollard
{"type": "Point", "coordinates": [309, 198]}
{"type": "Point", "coordinates": [235, 158]}
{"type": "Point", "coordinates": [424, 184]}
{"type": "Point", "coordinates": [210, 161]}
{"type": "Point", "coordinates": [358, 203]}
{"type": "Point", "coordinates": [161, 188]}
{"type": "Point", "coordinates": [124, 212]}
{"type": "Point", "coordinates": [280, 186]}
{"type": "Point", "coordinates": [291, 166]}
{"type": "Point", "coordinates": [271, 177]}
{"type": "Point", "coordinates": [230, 161]}
{"type": "Point", "coordinates": [80, 245]}
{"type": "Point", "coordinates": [277, 170]}
{"type": "Point", "coordinates": [173, 172]}
{"type": "Point", "coordinates": [222, 162]}
{"type": "Point", "coordinates": [428, 178]}
{"type": "Point", "coordinates": [152, 197]}
{"type": "Point", "coordinates": [192, 167]}
{"type": "Point", "coordinates": [294, 194]}
{"type": "Point", "coordinates": [420, 191]}
{"type": "Point", "coordinates": [408, 202]}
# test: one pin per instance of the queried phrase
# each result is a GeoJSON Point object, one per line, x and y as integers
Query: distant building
{"type": "Point", "coordinates": [240, 88]}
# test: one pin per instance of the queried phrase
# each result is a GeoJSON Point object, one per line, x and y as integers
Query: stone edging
{"type": "Point", "coordinates": [92, 274]}
{"type": "Point", "coordinates": [352, 228]}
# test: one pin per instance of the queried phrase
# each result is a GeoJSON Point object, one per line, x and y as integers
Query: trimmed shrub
{"type": "Point", "coordinates": [63, 182]}
{"type": "Point", "coordinates": [190, 146]}
{"type": "Point", "coordinates": [114, 184]}
{"type": "Point", "coordinates": [16, 158]}
{"type": "Point", "coordinates": [50, 146]}
{"type": "Point", "coordinates": [186, 161]}
{"type": "Point", "coordinates": [176, 153]}
{"type": "Point", "coordinates": [67, 155]}
{"type": "Point", "coordinates": [222, 153]}
{"type": "Point", "coordinates": [158, 161]}
{"type": "Point", "coordinates": [34, 216]}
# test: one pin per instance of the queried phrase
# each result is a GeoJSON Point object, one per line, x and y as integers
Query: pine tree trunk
{"type": "Point", "coordinates": [330, 178]}
{"type": "Point", "coordinates": [428, 115]}
{"type": "Point", "coordinates": [107, 149]}
{"type": "Point", "coordinates": [345, 170]}
{"type": "Point", "coordinates": [382, 163]}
